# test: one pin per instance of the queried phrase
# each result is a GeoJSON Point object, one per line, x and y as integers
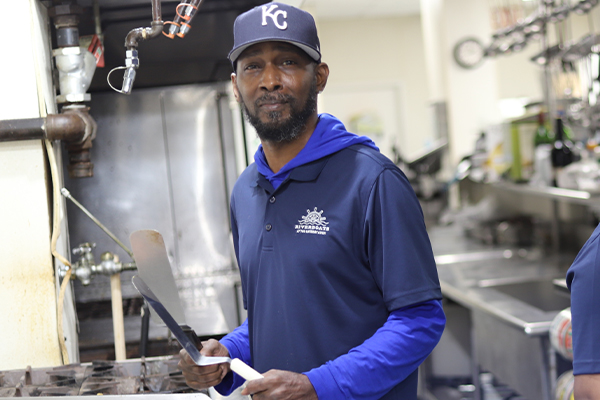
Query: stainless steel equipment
{"type": "Point", "coordinates": [165, 161]}
{"type": "Point", "coordinates": [156, 378]}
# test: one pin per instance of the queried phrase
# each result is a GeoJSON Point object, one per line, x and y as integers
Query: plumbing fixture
{"type": "Point", "coordinates": [76, 65]}
{"type": "Point", "coordinates": [80, 162]}
{"type": "Point", "coordinates": [86, 268]}
{"type": "Point", "coordinates": [66, 19]}
{"type": "Point", "coordinates": [74, 125]}
{"type": "Point", "coordinates": [131, 42]}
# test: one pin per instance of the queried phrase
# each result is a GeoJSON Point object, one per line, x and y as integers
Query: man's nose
{"type": "Point", "coordinates": [271, 78]}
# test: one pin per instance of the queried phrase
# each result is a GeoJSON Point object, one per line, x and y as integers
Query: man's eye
{"type": "Point", "coordinates": [289, 62]}
{"type": "Point", "coordinates": [250, 67]}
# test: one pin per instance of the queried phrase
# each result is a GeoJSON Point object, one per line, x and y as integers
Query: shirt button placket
{"type": "Point", "coordinates": [268, 222]}
{"type": "Point", "coordinates": [268, 227]}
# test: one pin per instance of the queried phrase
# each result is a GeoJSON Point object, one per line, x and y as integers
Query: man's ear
{"type": "Point", "coordinates": [236, 92]}
{"type": "Point", "coordinates": [322, 74]}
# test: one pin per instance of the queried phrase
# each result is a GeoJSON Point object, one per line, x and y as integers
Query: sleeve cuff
{"type": "Point", "coordinates": [232, 380]}
{"type": "Point", "coordinates": [584, 367]}
{"type": "Point", "coordinates": [324, 383]}
{"type": "Point", "coordinates": [226, 386]}
{"type": "Point", "coordinates": [232, 348]}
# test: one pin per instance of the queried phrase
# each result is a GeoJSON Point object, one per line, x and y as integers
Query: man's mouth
{"type": "Point", "coordinates": [271, 103]}
{"type": "Point", "coordinates": [272, 106]}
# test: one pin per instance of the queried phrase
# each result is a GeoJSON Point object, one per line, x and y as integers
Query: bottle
{"type": "Point", "coordinates": [562, 151]}
{"type": "Point", "coordinates": [542, 133]}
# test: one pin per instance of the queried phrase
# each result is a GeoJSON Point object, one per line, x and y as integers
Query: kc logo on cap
{"type": "Point", "coordinates": [268, 12]}
{"type": "Point", "coordinates": [275, 22]}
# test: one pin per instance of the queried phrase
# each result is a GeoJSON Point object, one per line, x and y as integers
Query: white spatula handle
{"type": "Point", "coordinates": [243, 370]}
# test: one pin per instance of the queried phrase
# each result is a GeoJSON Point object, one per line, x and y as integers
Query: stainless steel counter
{"type": "Point", "coordinates": [512, 300]}
{"type": "Point", "coordinates": [515, 285]}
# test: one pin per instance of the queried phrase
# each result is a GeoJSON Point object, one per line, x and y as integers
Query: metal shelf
{"type": "Point", "coordinates": [554, 193]}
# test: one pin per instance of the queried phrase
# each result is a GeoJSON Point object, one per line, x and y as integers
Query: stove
{"type": "Point", "coordinates": [155, 378]}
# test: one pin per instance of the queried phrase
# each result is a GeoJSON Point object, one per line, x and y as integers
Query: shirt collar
{"type": "Point", "coordinates": [303, 173]}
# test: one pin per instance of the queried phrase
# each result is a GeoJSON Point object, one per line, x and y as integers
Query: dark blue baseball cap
{"type": "Point", "coordinates": [275, 22]}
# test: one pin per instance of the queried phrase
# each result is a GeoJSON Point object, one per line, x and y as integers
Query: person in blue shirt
{"type": "Point", "coordinates": [337, 271]}
{"type": "Point", "coordinates": [583, 280]}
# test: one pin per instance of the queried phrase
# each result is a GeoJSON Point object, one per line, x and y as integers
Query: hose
{"type": "Point", "coordinates": [55, 234]}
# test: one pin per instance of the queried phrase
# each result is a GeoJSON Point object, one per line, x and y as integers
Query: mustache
{"type": "Point", "coordinates": [273, 98]}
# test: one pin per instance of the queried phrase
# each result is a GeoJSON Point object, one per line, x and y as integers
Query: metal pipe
{"type": "Point", "coordinates": [131, 42]}
{"type": "Point", "coordinates": [70, 127]}
{"type": "Point", "coordinates": [22, 129]}
{"type": "Point", "coordinates": [156, 11]}
{"type": "Point", "coordinates": [138, 34]}
{"type": "Point", "coordinates": [97, 23]}
{"type": "Point", "coordinates": [67, 194]}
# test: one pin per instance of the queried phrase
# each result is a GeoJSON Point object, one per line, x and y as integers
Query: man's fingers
{"type": "Point", "coordinates": [254, 386]}
{"type": "Point", "coordinates": [199, 377]}
{"type": "Point", "coordinates": [202, 376]}
{"type": "Point", "coordinates": [199, 385]}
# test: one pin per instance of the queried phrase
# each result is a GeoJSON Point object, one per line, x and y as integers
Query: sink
{"type": "Point", "coordinates": [541, 294]}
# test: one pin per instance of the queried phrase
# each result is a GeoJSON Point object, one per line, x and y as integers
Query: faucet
{"type": "Point", "coordinates": [134, 36]}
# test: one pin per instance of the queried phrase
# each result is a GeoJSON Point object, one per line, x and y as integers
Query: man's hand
{"type": "Point", "coordinates": [198, 377]}
{"type": "Point", "coordinates": [281, 385]}
{"type": "Point", "coordinates": [587, 387]}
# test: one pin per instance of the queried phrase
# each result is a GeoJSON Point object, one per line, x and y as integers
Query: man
{"type": "Point", "coordinates": [337, 271]}
{"type": "Point", "coordinates": [583, 280]}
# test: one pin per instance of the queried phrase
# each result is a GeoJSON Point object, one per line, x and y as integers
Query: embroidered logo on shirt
{"type": "Point", "coordinates": [313, 223]}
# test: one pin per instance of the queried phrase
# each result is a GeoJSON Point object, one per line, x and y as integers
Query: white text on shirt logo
{"type": "Point", "coordinates": [313, 223]}
{"type": "Point", "coordinates": [268, 12]}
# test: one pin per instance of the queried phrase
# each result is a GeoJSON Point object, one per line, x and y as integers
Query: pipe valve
{"type": "Point", "coordinates": [86, 268]}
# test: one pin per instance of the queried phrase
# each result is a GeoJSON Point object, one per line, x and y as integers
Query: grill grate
{"type": "Point", "coordinates": [158, 375]}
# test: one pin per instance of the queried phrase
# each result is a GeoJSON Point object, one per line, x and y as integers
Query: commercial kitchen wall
{"type": "Point", "coordinates": [28, 290]}
{"type": "Point", "coordinates": [412, 56]}
{"type": "Point", "coordinates": [396, 52]}
{"type": "Point", "coordinates": [379, 58]}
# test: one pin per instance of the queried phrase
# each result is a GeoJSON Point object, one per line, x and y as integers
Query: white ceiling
{"type": "Point", "coordinates": [339, 9]}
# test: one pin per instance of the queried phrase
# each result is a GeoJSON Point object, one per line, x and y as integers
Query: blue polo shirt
{"type": "Point", "coordinates": [327, 257]}
{"type": "Point", "coordinates": [583, 280]}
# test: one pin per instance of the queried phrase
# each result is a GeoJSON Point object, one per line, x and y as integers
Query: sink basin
{"type": "Point", "coordinates": [539, 294]}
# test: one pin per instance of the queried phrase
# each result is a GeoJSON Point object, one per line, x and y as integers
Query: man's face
{"type": "Point", "coordinates": [277, 85]}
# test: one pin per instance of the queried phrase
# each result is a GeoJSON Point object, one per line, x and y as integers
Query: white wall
{"type": "Point", "coordinates": [27, 287]}
{"type": "Point", "coordinates": [383, 56]}
{"type": "Point", "coordinates": [378, 58]}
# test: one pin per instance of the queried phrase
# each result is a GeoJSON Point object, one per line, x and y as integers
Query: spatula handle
{"type": "Point", "coordinates": [244, 370]}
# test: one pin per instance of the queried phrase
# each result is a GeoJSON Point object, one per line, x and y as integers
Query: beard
{"type": "Point", "coordinates": [278, 129]}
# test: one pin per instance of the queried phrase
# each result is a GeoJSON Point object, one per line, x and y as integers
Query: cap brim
{"type": "Point", "coordinates": [312, 53]}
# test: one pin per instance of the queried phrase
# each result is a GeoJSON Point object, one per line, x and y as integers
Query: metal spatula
{"type": "Point", "coordinates": [236, 364]}
{"type": "Point", "coordinates": [154, 268]}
